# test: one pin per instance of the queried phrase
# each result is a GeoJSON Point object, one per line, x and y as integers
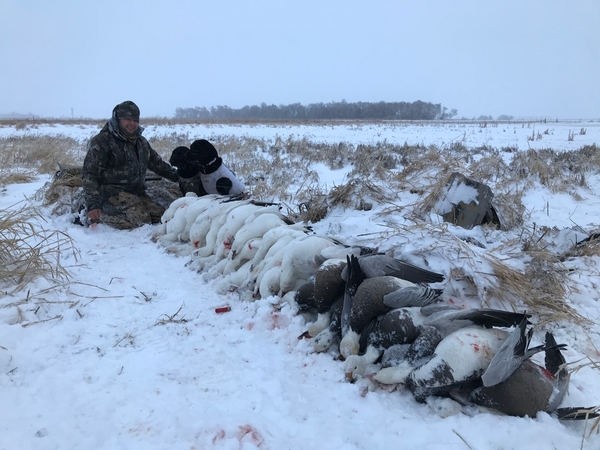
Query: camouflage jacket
{"type": "Point", "coordinates": [114, 164]}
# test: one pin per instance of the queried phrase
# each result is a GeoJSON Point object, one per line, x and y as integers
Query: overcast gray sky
{"type": "Point", "coordinates": [526, 58]}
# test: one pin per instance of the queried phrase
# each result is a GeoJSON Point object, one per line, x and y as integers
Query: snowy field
{"type": "Point", "coordinates": [522, 135]}
{"type": "Point", "coordinates": [130, 353]}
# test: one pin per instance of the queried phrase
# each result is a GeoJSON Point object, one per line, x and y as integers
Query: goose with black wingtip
{"type": "Point", "coordinates": [369, 301]}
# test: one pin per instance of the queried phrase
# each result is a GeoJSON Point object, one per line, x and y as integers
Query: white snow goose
{"type": "Point", "coordinates": [429, 325]}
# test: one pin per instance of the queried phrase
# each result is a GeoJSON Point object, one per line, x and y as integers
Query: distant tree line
{"type": "Point", "coordinates": [500, 117]}
{"type": "Point", "coordinates": [335, 110]}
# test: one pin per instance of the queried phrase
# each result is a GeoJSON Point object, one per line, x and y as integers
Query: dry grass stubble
{"type": "Point", "coordinates": [279, 170]}
{"type": "Point", "coordinates": [29, 251]}
{"type": "Point", "coordinates": [41, 153]}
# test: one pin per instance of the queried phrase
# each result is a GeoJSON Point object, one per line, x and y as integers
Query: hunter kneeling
{"type": "Point", "coordinates": [114, 172]}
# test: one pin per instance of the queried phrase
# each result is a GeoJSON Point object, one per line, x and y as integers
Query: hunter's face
{"type": "Point", "coordinates": [129, 125]}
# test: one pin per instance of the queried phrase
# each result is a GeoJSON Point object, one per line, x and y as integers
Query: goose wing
{"type": "Point", "coordinates": [377, 265]}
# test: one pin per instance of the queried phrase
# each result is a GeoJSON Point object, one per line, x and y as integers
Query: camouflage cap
{"type": "Point", "coordinates": [127, 110]}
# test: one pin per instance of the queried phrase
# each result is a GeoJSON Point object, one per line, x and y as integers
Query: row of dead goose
{"type": "Point", "coordinates": [380, 311]}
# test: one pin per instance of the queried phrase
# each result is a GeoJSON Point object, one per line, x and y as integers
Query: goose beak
{"type": "Point", "coordinates": [305, 335]}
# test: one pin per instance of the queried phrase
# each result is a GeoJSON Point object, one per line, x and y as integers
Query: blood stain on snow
{"type": "Point", "coordinates": [249, 432]}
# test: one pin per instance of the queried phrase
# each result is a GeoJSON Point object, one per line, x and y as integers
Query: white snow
{"type": "Point", "coordinates": [457, 192]}
{"type": "Point", "coordinates": [130, 354]}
